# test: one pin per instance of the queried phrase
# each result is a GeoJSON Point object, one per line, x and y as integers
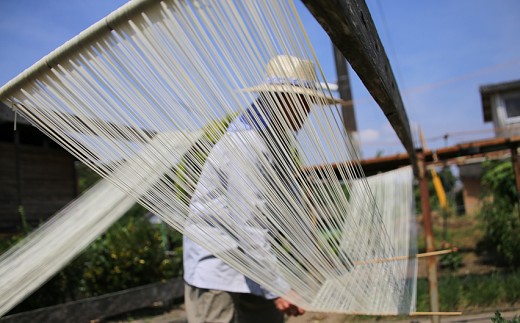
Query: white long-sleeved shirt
{"type": "Point", "coordinates": [228, 191]}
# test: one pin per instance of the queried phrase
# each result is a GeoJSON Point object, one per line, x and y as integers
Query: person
{"type": "Point", "coordinates": [214, 291]}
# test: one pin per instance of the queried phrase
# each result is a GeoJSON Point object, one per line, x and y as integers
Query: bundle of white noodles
{"type": "Point", "coordinates": [143, 98]}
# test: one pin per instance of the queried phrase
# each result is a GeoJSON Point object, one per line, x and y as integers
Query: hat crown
{"type": "Point", "coordinates": [291, 68]}
{"type": "Point", "coordinates": [290, 74]}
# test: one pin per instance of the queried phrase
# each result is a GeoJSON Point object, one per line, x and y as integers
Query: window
{"type": "Point", "coordinates": [512, 106]}
{"type": "Point", "coordinates": [508, 108]}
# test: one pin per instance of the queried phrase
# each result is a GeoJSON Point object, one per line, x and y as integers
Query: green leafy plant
{"type": "Point", "coordinates": [499, 319]}
{"type": "Point", "coordinates": [128, 255]}
{"type": "Point", "coordinates": [498, 180]}
{"type": "Point", "coordinates": [131, 253]}
{"type": "Point", "coordinates": [499, 214]}
{"type": "Point", "coordinates": [451, 261]}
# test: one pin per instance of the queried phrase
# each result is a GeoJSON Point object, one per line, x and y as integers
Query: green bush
{"type": "Point", "coordinates": [131, 253]}
{"type": "Point", "coordinates": [499, 214]}
{"type": "Point", "coordinates": [499, 319]}
{"type": "Point", "coordinates": [498, 180]}
{"type": "Point", "coordinates": [452, 260]}
{"type": "Point", "coordinates": [501, 239]}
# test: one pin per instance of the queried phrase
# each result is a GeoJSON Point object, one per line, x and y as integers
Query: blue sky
{"type": "Point", "coordinates": [441, 51]}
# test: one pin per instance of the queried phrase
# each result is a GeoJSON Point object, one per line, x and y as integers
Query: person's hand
{"type": "Point", "coordinates": [288, 308]}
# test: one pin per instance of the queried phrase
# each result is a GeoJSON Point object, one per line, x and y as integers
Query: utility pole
{"type": "Point", "coordinates": [345, 93]}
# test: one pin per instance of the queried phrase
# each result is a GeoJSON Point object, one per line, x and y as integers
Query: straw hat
{"type": "Point", "coordinates": [289, 74]}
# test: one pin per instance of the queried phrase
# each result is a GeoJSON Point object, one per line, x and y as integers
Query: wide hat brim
{"type": "Point", "coordinates": [320, 97]}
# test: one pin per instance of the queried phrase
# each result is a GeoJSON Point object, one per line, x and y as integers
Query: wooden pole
{"type": "Point", "coordinates": [439, 189]}
{"type": "Point", "coordinates": [431, 262]}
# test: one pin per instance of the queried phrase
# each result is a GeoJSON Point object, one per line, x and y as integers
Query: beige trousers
{"type": "Point", "coordinates": [215, 306]}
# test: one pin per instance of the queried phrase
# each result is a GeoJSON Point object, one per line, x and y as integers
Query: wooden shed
{"type": "Point", "coordinates": [37, 176]}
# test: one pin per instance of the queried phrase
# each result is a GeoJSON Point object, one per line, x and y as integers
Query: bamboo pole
{"type": "Point", "coordinates": [419, 255]}
{"type": "Point", "coordinates": [436, 253]}
{"type": "Point", "coordinates": [435, 313]}
{"type": "Point", "coordinates": [403, 314]}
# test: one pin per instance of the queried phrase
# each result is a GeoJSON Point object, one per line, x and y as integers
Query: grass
{"type": "Point", "coordinates": [472, 291]}
{"type": "Point", "coordinates": [463, 232]}
{"type": "Point", "coordinates": [475, 286]}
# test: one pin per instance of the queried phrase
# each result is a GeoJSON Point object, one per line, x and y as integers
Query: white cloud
{"type": "Point", "coordinates": [369, 135]}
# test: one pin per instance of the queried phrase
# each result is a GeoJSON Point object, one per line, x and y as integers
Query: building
{"type": "Point", "coordinates": [37, 176]}
{"type": "Point", "coordinates": [500, 105]}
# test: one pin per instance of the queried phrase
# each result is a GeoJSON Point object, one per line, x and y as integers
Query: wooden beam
{"type": "Point", "coordinates": [352, 30]}
{"type": "Point", "coordinates": [453, 154]}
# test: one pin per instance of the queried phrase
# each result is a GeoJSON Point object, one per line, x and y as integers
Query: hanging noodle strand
{"type": "Point", "coordinates": [170, 90]}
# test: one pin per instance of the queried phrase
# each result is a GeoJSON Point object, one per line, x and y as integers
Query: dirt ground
{"type": "Point", "coordinates": [483, 317]}
{"type": "Point", "coordinates": [177, 315]}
